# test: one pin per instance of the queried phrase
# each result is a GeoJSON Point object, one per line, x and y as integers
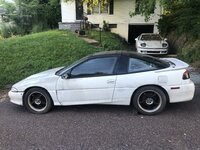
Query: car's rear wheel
{"type": "Point", "coordinates": [149, 100]}
{"type": "Point", "coordinates": [37, 101]}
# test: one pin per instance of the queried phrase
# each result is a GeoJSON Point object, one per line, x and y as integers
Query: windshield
{"type": "Point", "coordinates": [151, 37]}
{"type": "Point", "coordinates": [63, 70]}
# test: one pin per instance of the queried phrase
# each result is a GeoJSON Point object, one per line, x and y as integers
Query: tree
{"type": "Point", "coordinates": [32, 15]}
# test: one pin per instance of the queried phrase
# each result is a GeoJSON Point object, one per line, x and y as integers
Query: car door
{"type": "Point", "coordinates": [90, 82]}
{"type": "Point", "coordinates": [132, 73]}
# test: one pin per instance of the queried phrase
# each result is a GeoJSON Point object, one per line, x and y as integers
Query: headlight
{"type": "Point", "coordinates": [13, 89]}
{"type": "Point", "coordinates": [164, 44]}
{"type": "Point", "coordinates": [143, 44]}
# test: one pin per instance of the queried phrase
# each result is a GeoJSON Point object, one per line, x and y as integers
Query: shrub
{"type": "Point", "coordinates": [191, 53]}
{"type": "Point", "coordinates": [37, 28]}
{"type": "Point", "coordinates": [7, 29]}
{"type": "Point", "coordinates": [106, 26]}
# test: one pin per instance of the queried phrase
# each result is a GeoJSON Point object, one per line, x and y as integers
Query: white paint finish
{"type": "Point", "coordinates": [95, 89]}
{"type": "Point", "coordinates": [16, 97]}
{"type": "Point", "coordinates": [116, 90]}
{"type": "Point", "coordinates": [185, 93]}
{"type": "Point", "coordinates": [46, 79]}
{"type": "Point", "coordinates": [128, 83]}
{"type": "Point", "coordinates": [162, 79]}
{"type": "Point", "coordinates": [151, 45]}
{"type": "Point", "coordinates": [68, 11]}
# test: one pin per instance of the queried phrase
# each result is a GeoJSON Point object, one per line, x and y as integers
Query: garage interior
{"type": "Point", "coordinates": [136, 30]}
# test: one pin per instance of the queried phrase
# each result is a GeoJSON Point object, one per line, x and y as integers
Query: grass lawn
{"type": "Point", "coordinates": [24, 56]}
{"type": "Point", "coordinates": [110, 40]}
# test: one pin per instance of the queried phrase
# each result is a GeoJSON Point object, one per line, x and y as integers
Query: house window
{"type": "Point", "coordinates": [111, 8]}
{"type": "Point", "coordinates": [137, 7]}
{"type": "Point", "coordinates": [112, 25]}
{"type": "Point", "coordinates": [95, 26]}
{"type": "Point", "coordinates": [101, 8]}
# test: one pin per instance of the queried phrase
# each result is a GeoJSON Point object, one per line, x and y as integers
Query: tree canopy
{"type": "Point", "coordinates": [31, 15]}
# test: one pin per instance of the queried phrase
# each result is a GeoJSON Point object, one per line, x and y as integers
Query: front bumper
{"type": "Point", "coordinates": [16, 97]}
{"type": "Point", "coordinates": [153, 51]}
{"type": "Point", "coordinates": [184, 93]}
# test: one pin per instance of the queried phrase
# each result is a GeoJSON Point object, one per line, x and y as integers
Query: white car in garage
{"type": "Point", "coordinates": [115, 77]}
{"type": "Point", "coordinates": [149, 43]}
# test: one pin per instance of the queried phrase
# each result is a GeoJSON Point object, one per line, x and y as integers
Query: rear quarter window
{"type": "Point", "coordinates": [140, 63]}
{"type": "Point", "coordinates": [137, 65]}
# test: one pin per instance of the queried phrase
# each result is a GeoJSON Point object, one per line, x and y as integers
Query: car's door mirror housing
{"type": "Point", "coordinates": [165, 39]}
{"type": "Point", "coordinates": [66, 76]}
{"type": "Point", "coordinates": [136, 39]}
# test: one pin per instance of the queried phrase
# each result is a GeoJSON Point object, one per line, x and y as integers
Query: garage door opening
{"type": "Point", "coordinates": [136, 30]}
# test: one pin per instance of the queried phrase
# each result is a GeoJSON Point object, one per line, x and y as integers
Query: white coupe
{"type": "Point", "coordinates": [149, 43]}
{"type": "Point", "coordinates": [115, 77]}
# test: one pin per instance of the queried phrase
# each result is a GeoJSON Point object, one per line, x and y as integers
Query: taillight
{"type": "Point", "coordinates": [186, 75]}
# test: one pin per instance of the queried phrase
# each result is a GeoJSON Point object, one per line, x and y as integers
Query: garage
{"type": "Point", "coordinates": [136, 30]}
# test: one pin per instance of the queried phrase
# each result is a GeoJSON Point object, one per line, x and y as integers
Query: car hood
{"type": "Point", "coordinates": [45, 74]}
{"type": "Point", "coordinates": [154, 44]}
{"type": "Point", "coordinates": [45, 78]}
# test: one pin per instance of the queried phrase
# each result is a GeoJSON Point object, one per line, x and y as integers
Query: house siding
{"type": "Point", "coordinates": [68, 11]}
{"type": "Point", "coordinates": [122, 18]}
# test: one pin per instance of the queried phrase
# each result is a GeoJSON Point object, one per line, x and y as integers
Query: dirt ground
{"type": "Point", "coordinates": [3, 95]}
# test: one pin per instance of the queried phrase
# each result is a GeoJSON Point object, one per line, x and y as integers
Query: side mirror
{"type": "Point", "coordinates": [165, 39]}
{"type": "Point", "coordinates": [136, 39]}
{"type": "Point", "coordinates": [65, 76]}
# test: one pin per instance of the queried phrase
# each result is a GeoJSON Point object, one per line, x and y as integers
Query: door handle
{"type": "Point", "coordinates": [111, 81]}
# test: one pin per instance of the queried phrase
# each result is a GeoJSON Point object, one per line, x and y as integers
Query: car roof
{"type": "Point", "coordinates": [113, 53]}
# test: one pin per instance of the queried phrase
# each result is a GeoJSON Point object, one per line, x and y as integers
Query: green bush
{"type": "Point", "coordinates": [7, 29]}
{"type": "Point", "coordinates": [191, 53]}
{"type": "Point", "coordinates": [106, 26]}
{"type": "Point", "coordinates": [109, 41]}
{"type": "Point", "coordinates": [182, 20]}
{"type": "Point", "coordinates": [38, 28]}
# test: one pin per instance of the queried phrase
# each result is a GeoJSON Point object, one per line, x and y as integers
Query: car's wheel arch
{"type": "Point", "coordinates": [26, 90]}
{"type": "Point", "coordinates": [150, 85]}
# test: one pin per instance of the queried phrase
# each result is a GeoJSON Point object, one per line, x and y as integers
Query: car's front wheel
{"type": "Point", "coordinates": [37, 101]}
{"type": "Point", "coordinates": [149, 100]}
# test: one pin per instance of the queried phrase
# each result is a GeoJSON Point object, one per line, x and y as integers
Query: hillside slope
{"type": "Point", "coordinates": [23, 56]}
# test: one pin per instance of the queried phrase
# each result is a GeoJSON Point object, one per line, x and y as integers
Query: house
{"type": "Point", "coordinates": [116, 13]}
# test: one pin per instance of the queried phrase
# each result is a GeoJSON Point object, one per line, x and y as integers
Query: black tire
{"type": "Point", "coordinates": [149, 100]}
{"type": "Point", "coordinates": [37, 101]}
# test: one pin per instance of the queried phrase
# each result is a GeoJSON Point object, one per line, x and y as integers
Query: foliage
{"type": "Point", "coordinates": [191, 53]}
{"type": "Point", "coordinates": [7, 29]}
{"type": "Point", "coordinates": [109, 41]}
{"type": "Point", "coordinates": [93, 3]}
{"type": "Point", "coordinates": [33, 15]}
{"type": "Point", "coordinates": [23, 56]}
{"type": "Point", "coordinates": [106, 26]}
{"type": "Point", "coordinates": [144, 8]}
{"type": "Point", "coordinates": [182, 18]}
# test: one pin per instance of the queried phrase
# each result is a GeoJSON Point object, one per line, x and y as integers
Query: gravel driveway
{"type": "Point", "coordinates": [96, 127]}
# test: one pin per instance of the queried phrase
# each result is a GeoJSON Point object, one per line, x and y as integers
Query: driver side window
{"type": "Point", "coordinates": [95, 67]}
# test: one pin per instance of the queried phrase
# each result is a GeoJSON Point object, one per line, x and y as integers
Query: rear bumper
{"type": "Point", "coordinates": [156, 51]}
{"type": "Point", "coordinates": [16, 97]}
{"type": "Point", "coordinates": [184, 93]}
